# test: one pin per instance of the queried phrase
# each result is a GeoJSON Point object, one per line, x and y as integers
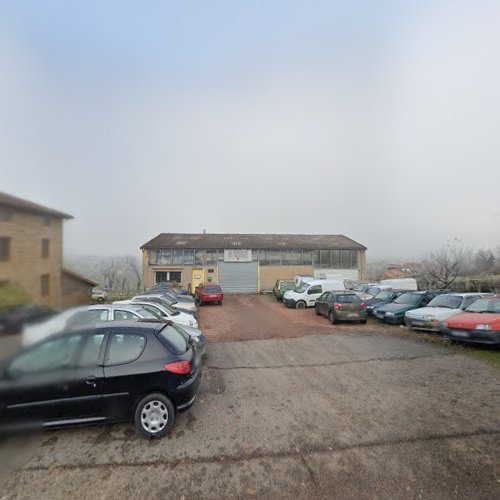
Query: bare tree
{"type": "Point", "coordinates": [484, 261]}
{"type": "Point", "coordinates": [375, 270]}
{"type": "Point", "coordinates": [109, 269]}
{"type": "Point", "coordinates": [134, 267]}
{"type": "Point", "coordinates": [441, 267]}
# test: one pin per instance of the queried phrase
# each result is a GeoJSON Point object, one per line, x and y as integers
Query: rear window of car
{"type": "Point", "coordinates": [409, 299]}
{"type": "Point", "coordinates": [212, 289]}
{"type": "Point", "coordinates": [125, 348]}
{"type": "Point", "coordinates": [174, 338]}
{"type": "Point", "coordinates": [347, 299]}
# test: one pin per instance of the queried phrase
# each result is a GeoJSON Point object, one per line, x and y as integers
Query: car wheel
{"type": "Point", "coordinates": [363, 321]}
{"type": "Point", "coordinates": [154, 415]}
{"type": "Point", "coordinates": [300, 305]}
{"type": "Point", "coordinates": [332, 318]}
{"type": "Point", "coordinates": [220, 302]}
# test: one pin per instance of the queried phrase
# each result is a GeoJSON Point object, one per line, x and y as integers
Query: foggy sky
{"type": "Point", "coordinates": [377, 120]}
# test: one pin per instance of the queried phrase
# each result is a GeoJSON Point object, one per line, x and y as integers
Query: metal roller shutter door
{"type": "Point", "coordinates": [238, 277]}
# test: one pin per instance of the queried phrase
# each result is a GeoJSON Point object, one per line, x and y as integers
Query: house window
{"type": "Point", "coordinates": [45, 248]}
{"type": "Point", "coordinates": [46, 220]}
{"type": "Point", "coordinates": [45, 284]}
{"type": "Point", "coordinates": [211, 257]}
{"type": "Point", "coordinates": [161, 277]}
{"type": "Point", "coordinates": [4, 249]}
{"type": "Point", "coordinates": [177, 257]}
{"type": "Point", "coordinates": [199, 257]}
{"type": "Point", "coordinates": [168, 276]}
{"type": "Point", "coordinates": [5, 214]}
{"type": "Point", "coordinates": [307, 257]}
{"type": "Point", "coordinates": [324, 259]}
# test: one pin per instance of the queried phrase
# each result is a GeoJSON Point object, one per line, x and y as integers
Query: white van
{"type": "Point", "coordinates": [305, 294]}
{"type": "Point", "coordinates": [401, 283]}
{"type": "Point", "coordinates": [299, 279]}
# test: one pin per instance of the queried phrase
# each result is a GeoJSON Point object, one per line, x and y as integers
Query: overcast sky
{"type": "Point", "coordinates": [377, 120]}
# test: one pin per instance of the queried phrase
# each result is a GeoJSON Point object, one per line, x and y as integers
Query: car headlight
{"type": "Point", "coordinates": [427, 317]}
{"type": "Point", "coordinates": [389, 314]}
{"type": "Point", "coordinates": [191, 323]}
{"type": "Point", "coordinates": [483, 327]}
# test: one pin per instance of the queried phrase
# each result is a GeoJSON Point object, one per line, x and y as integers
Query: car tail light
{"type": "Point", "coordinates": [362, 304]}
{"type": "Point", "coordinates": [337, 306]}
{"type": "Point", "coordinates": [179, 367]}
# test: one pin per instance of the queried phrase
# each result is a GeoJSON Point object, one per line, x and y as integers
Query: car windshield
{"type": "Point", "coordinates": [383, 296]}
{"type": "Point", "coordinates": [153, 310]}
{"type": "Point", "coordinates": [348, 298]}
{"type": "Point", "coordinates": [448, 301]}
{"type": "Point", "coordinates": [374, 290]}
{"type": "Point", "coordinates": [485, 305]}
{"type": "Point", "coordinates": [302, 288]}
{"type": "Point", "coordinates": [212, 289]}
{"type": "Point", "coordinates": [287, 285]}
{"type": "Point", "coordinates": [409, 299]}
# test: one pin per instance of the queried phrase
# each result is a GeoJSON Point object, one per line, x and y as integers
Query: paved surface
{"type": "Point", "coordinates": [355, 413]}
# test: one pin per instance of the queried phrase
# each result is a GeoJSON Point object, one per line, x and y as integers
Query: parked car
{"type": "Point", "coordinates": [281, 287]}
{"type": "Point", "coordinates": [99, 295]}
{"type": "Point", "coordinates": [385, 297]}
{"type": "Point", "coordinates": [176, 304]}
{"type": "Point", "coordinates": [478, 324]}
{"type": "Point", "coordinates": [439, 308]}
{"type": "Point", "coordinates": [305, 295]}
{"type": "Point", "coordinates": [341, 306]}
{"type": "Point", "coordinates": [77, 317]}
{"type": "Point", "coordinates": [395, 311]}
{"type": "Point", "coordinates": [172, 292]}
{"type": "Point", "coordinates": [178, 317]}
{"type": "Point", "coordinates": [12, 320]}
{"type": "Point", "coordinates": [373, 291]}
{"type": "Point", "coordinates": [145, 372]}
{"type": "Point", "coordinates": [300, 278]}
{"type": "Point", "coordinates": [362, 288]}
{"type": "Point", "coordinates": [209, 292]}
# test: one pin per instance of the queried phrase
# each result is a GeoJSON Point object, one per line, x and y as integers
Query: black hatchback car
{"type": "Point", "coordinates": [142, 371]}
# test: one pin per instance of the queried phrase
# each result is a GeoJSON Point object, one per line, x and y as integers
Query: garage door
{"type": "Point", "coordinates": [238, 277]}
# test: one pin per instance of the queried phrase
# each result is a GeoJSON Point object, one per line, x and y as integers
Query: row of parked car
{"type": "Point", "coordinates": [463, 317]}
{"type": "Point", "coordinates": [137, 359]}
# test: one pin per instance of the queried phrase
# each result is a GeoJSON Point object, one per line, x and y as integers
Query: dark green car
{"type": "Point", "coordinates": [281, 287]}
{"type": "Point", "coordinates": [394, 312]}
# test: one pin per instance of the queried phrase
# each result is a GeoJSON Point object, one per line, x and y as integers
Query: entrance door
{"type": "Point", "coordinates": [198, 277]}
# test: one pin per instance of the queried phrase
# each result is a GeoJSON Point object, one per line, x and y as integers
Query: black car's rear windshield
{"type": "Point", "coordinates": [212, 289]}
{"type": "Point", "coordinates": [347, 299]}
{"type": "Point", "coordinates": [412, 299]}
{"type": "Point", "coordinates": [175, 339]}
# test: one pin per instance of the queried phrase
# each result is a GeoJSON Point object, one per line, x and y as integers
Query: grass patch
{"type": "Point", "coordinates": [489, 355]}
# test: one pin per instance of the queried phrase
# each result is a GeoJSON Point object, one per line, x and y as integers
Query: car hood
{"type": "Point", "coordinates": [470, 320]}
{"type": "Point", "coordinates": [432, 313]}
{"type": "Point", "coordinates": [396, 308]}
{"type": "Point", "coordinates": [375, 302]}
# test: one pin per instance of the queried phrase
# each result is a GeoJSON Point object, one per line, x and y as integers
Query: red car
{"type": "Point", "coordinates": [209, 292]}
{"type": "Point", "coordinates": [478, 324]}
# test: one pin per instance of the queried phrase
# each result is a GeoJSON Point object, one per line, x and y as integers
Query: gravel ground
{"type": "Point", "coordinates": [307, 410]}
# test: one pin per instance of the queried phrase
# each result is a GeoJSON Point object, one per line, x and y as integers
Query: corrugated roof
{"type": "Point", "coordinates": [252, 241]}
{"type": "Point", "coordinates": [7, 200]}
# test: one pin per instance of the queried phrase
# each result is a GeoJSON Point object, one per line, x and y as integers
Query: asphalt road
{"type": "Point", "coordinates": [355, 414]}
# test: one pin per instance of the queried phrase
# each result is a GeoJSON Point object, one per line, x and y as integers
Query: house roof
{"type": "Point", "coordinates": [252, 241]}
{"type": "Point", "coordinates": [79, 277]}
{"type": "Point", "coordinates": [7, 200]}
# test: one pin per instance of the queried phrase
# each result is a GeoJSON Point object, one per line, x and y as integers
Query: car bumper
{"type": "Point", "coordinates": [474, 336]}
{"type": "Point", "coordinates": [289, 302]}
{"type": "Point", "coordinates": [350, 315]}
{"type": "Point", "coordinates": [392, 320]}
{"type": "Point", "coordinates": [419, 324]}
{"type": "Point", "coordinates": [185, 394]}
{"type": "Point", "coordinates": [210, 299]}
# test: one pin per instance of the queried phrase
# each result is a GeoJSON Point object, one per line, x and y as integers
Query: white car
{"type": "Point", "coordinates": [439, 309]}
{"type": "Point", "coordinates": [181, 306]}
{"type": "Point", "coordinates": [177, 317]}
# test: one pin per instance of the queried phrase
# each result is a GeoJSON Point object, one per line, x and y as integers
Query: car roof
{"type": "Point", "coordinates": [126, 307]}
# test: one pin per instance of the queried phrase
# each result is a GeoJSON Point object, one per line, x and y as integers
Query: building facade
{"type": "Point", "coordinates": [76, 289]}
{"type": "Point", "coordinates": [31, 249]}
{"type": "Point", "coordinates": [248, 262]}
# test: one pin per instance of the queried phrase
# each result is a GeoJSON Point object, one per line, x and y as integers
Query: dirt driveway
{"type": "Point", "coordinates": [331, 413]}
{"type": "Point", "coordinates": [251, 317]}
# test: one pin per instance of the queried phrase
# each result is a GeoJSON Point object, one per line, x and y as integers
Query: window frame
{"type": "Point", "coordinates": [5, 251]}
{"type": "Point", "coordinates": [45, 285]}
{"type": "Point", "coordinates": [105, 362]}
{"type": "Point", "coordinates": [45, 251]}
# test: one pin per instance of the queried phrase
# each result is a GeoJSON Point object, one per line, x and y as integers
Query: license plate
{"type": "Point", "coordinates": [352, 315]}
{"type": "Point", "coordinates": [460, 334]}
{"type": "Point", "coordinates": [212, 296]}
{"type": "Point", "coordinates": [417, 323]}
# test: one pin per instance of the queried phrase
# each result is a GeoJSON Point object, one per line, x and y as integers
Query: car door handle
{"type": "Point", "coordinates": [91, 381]}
